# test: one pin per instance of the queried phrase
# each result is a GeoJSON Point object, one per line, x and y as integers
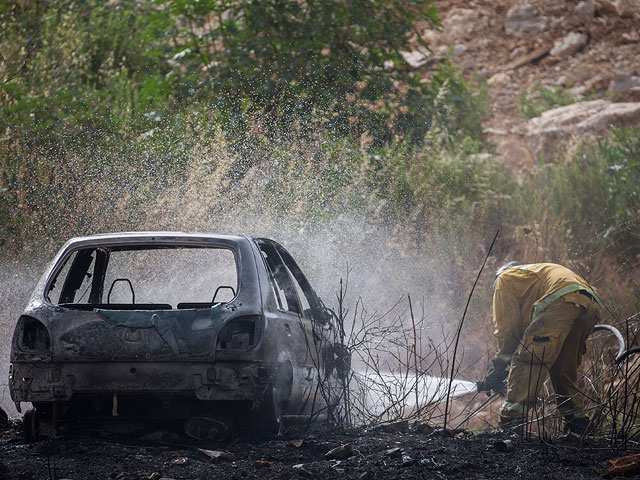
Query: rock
{"type": "Point", "coordinates": [416, 58]}
{"type": "Point", "coordinates": [469, 65]}
{"type": "Point", "coordinates": [443, 50]}
{"type": "Point", "coordinates": [432, 37]}
{"type": "Point", "coordinates": [395, 452]}
{"type": "Point", "coordinates": [523, 20]}
{"type": "Point", "coordinates": [482, 75]}
{"type": "Point", "coordinates": [518, 51]}
{"type": "Point", "coordinates": [578, 92]}
{"type": "Point", "coordinates": [299, 468]}
{"type": "Point", "coordinates": [460, 23]}
{"type": "Point", "coordinates": [580, 74]}
{"type": "Point", "coordinates": [213, 456]}
{"type": "Point", "coordinates": [340, 453]}
{"type": "Point", "coordinates": [632, 36]}
{"type": "Point", "coordinates": [458, 50]}
{"type": "Point", "coordinates": [396, 427]}
{"type": "Point", "coordinates": [623, 83]}
{"type": "Point", "coordinates": [597, 83]}
{"type": "Point", "coordinates": [499, 78]}
{"type": "Point", "coordinates": [627, 7]}
{"type": "Point", "coordinates": [460, 17]}
{"type": "Point", "coordinates": [585, 9]}
{"type": "Point", "coordinates": [423, 428]}
{"type": "Point", "coordinates": [624, 465]}
{"type": "Point", "coordinates": [554, 22]}
{"type": "Point", "coordinates": [407, 461]}
{"type": "Point", "coordinates": [606, 7]}
{"type": "Point", "coordinates": [515, 154]}
{"type": "Point", "coordinates": [494, 131]}
{"type": "Point", "coordinates": [584, 119]}
{"type": "Point", "coordinates": [446, 432]}
{"type": "Point", "coordinates": [570, 44]}
{"type": "Point", "coordinates": [261, 464]}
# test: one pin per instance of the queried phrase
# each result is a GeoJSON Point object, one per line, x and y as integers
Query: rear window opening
{"type": "Point", "coordinates": [145, 278]}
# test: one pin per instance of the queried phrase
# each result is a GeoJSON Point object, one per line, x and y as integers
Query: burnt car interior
{"type": "Point", "coordinates": [145, 278]}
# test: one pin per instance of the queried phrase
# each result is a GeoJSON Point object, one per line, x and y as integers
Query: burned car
{"type": "Point", "coordinates": [208, 331]}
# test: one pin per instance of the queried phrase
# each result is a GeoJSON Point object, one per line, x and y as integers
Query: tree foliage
{"type": "Point", "coordinates": [334, 64]}
{"type": "Point", "coordinates": [142, 78]}
{"type": "Point", "coordinates": [80, 68]}
{"type": "Point", "coordinates": [287, 59]}
{"type": "Point", "coordinates": [76, 67]}
{"type": "Point", "coordinates": [622, 155]}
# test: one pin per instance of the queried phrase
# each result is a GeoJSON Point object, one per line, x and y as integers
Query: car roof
{"type": "Point", "coordinates": [154, 237]}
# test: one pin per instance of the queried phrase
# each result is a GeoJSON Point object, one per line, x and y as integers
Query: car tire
{"type": "Point", "coordinates": [30, 426]}
{"type": "Point", "coordinates": [270, 413]}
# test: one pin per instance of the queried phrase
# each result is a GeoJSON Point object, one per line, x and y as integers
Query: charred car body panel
{"type": "Point", "coordinates": [75, 352]}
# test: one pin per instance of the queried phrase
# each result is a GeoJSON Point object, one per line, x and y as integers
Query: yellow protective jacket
{"type": "Point", "coordinates": [525, 290]}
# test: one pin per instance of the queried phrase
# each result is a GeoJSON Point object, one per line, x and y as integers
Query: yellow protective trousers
{"type": "Point", "coordinates": [553, 344]}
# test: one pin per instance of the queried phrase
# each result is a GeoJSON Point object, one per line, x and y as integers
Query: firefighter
{"type": "Point", "coordinates": [542, 314]}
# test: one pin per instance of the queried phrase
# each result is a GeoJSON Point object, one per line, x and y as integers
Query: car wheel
{"type": "Point", "coordinates": [30, 426]}
{"type": "Point", "coordinates": [270, 413]}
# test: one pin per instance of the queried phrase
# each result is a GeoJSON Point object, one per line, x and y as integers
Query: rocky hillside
{"type": "Point", "coordinates": [575, 51]}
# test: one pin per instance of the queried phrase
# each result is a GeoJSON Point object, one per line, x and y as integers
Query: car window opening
{"type": "Point", "coordinates": [141, 278]}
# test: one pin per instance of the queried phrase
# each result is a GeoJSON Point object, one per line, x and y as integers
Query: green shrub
{"type": "Point", "coordinates": [541, 98]}
{"type": "Point", "coordinates": [621, 153]}
{"type": "Point", "coordinates": [590, 199]}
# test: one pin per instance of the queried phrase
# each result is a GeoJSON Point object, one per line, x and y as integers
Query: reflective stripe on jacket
{"type": "Point", "coordinates": [526, 290]}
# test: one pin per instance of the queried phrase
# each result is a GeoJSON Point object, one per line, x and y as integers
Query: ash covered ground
{"type": "Point", "coordinates": [359, 454]}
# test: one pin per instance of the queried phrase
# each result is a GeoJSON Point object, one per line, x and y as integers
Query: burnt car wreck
{"type": "Point", "coordinates": [206, 331]}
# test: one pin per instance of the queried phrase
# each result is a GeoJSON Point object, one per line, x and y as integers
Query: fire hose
{"type": "Point", "coordinates": [622, 352]}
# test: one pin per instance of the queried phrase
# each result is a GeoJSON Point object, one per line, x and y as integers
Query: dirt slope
{"type": "Point", "coordinates": [511, 44]}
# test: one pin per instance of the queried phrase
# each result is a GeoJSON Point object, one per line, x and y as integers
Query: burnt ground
{"type": "Point", "coordinates": [376, 455]}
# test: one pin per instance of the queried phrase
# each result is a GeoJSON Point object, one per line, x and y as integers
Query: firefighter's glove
{"type": "Point", "coordinates": [495, 378]}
